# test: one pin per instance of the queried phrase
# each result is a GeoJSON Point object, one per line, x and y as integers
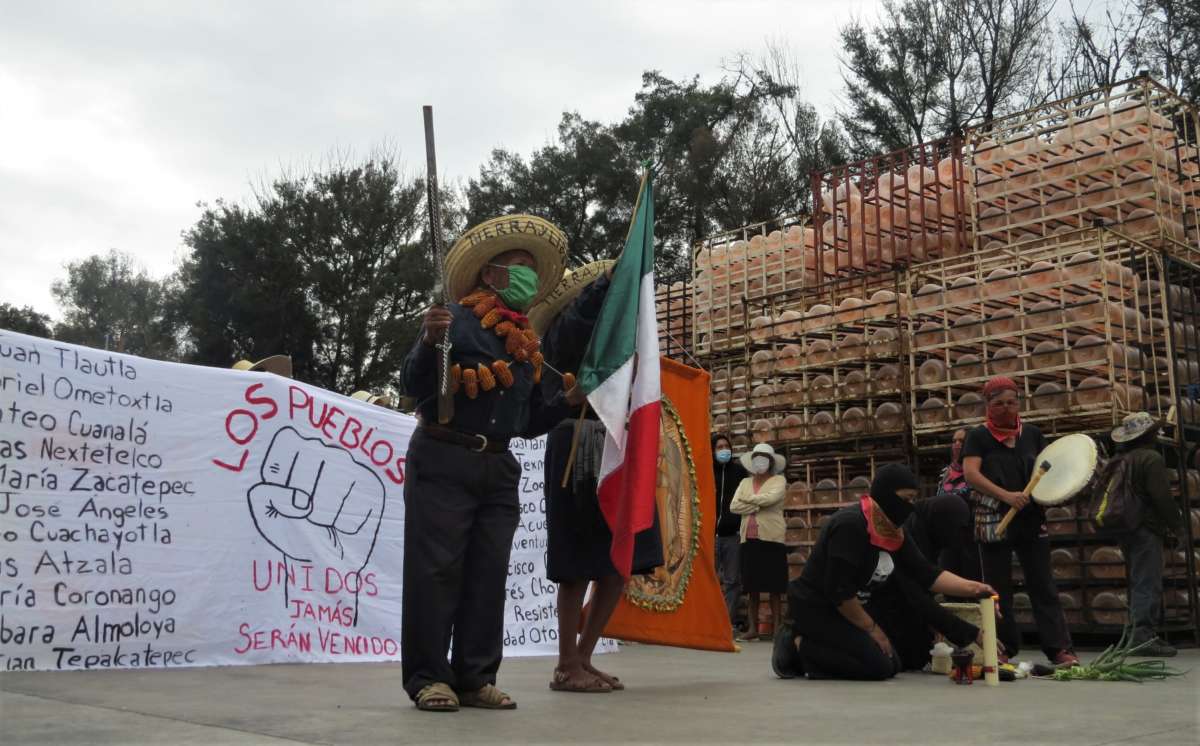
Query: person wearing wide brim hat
{"type": "Point", "coordinates": [472, 253]}
{"type": "Point", "coordinates": [1134, 426]}
{"type": "Point", "coordinates": [778, 462]}
{"type": "Point", "coordinates": [762, 553]}
{"type": "Point", "coordinates": [573, 282]}
{"type": "Point", "coordinates": [578, 540]}
{"type": "Point", "coordinates": [1143, 546]}
{"type": "Point", "coordinates": [461, 486]}
{"type": "Point", "coordinates": [380, 400]}
{"type": "Point", "coordinates": [280, 365]}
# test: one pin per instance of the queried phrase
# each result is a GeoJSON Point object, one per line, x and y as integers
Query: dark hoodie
{"type": "Point", "coordinates": [728, 477]}
{"type": "Point", "coordinates": [842, 565]}
{"type": "Point", "coordinates": [888, 480]}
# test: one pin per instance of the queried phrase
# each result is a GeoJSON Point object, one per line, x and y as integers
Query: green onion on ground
{"type": "Point", "coordinates": [1113, 665]}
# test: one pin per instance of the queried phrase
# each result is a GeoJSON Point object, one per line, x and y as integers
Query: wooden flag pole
{"type": "Point", "coordinates": [574, 444]}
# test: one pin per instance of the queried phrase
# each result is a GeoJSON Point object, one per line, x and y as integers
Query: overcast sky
{"type": "Point", "coordinates": [116, 118]}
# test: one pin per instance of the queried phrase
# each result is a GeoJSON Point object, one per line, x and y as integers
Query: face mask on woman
{"type": "Point", "coordinates": [760, 465]}
{"type": "Point", "coordinates": [724, 455]}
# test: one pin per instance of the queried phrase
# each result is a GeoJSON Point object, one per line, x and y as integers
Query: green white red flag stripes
{"type": "Point", "coordinates": [620, 375]}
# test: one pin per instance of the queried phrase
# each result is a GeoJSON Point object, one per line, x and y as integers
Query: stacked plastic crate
{"type": "Point", "coordinates": [827, 387]}
{"type": "Point", "coordinates": [1041, 250]}
{"type": "Point", "coordinates": [1124, 157]}
{"type": "Point", "coordinates": [907, 206]}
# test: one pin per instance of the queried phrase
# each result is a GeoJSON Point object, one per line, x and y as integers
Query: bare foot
{"type": "Point", "coordinates": [611, 680]}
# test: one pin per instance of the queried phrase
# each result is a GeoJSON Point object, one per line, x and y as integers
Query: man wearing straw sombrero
{"type": "Point", "coordinates": [461, 482]}
{"type": "Point", "coordinates": [578, 537]}
{"type": "Point", "coordinates": [1159, 517]}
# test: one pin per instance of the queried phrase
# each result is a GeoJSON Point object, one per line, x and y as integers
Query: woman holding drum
{"type": "Point", "coordinates": [999, 458]}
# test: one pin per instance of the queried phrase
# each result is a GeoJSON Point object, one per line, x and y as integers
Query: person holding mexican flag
{"type": "Point", "coordinates": [601, 462]}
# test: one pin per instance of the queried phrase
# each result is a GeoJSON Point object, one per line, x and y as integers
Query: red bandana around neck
{"type": "Point", "coordinates": [882, 532]}
{"type": "Point", "coordinates": [1002, 434]}
{"type": "Point", "coordinates": [519, 319]}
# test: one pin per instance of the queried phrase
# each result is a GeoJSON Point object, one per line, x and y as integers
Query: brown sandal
{"type": "Point", "coordinates": [562, 683]}
{"type": "Point", "coordinates": [607, 678]}
{"type": "Point", "coordinates": [437, 697]}
{"type": "Point", "coordinates": [487, 698]}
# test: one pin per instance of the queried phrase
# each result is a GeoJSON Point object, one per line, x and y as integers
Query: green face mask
{"type": "Point", "coordinates": [522, 286]}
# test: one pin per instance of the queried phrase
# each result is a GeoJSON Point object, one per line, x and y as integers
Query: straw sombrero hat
{"type": "Point", "coordinates": [280, 365]}
{"type": "Point", "coordinates": [382, 400]}
{"type": "Point", "coordinates": [484, 242]}
{"type": "Point", "coordinates": [567, 290]}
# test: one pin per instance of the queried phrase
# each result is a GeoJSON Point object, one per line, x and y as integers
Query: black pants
{"type": "Point", "coordinates": [460, 513]}
{"type": "Point", "coordinates": [1034, 556]}
{"type": "Point", "coordinates": [909, 615]}
{"type": "Point", "coordinates": [831, 647]}
{"type": "Point", "coordinates": [1144, 554]}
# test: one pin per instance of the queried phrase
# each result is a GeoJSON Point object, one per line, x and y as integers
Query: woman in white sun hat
{"type": "Point", "coordinates": [759, 499]}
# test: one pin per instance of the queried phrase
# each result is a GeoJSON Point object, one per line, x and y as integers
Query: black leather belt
{"type": "Point", "coordinates": [473, 441]}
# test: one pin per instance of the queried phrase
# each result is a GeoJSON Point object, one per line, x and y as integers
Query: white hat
{"type": "Point", "coordinates": [764, 449]}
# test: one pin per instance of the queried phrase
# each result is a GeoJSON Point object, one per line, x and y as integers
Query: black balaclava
{"type": "Point", "coordinates": [888, 479]}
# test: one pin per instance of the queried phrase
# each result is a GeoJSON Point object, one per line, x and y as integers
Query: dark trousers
{"type": "Point", "coordinates": [460, 513]}
{"type": "Point", "coordinates": [909, 614]}
{"type": "Point", "coordinates": [831, 647]}
{"type": "Point", "coordinates": [729, 573]}
{"type": "Point", "coordinates": [1034, 556]}
{"type": "Point", "coordinates": [1144, 555]}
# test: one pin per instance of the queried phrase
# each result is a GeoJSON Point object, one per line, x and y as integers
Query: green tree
{"type": "Point", "coordinates": [584, 183]}
{"type": "Point", "coordinates": [926, 68]}
{"type": "Point", "coordinates": [24, 320]}
{"type": "Point", "coordinates": [1170, 47]}
{"type": "Point", "coordinates": [110, 302]}
{"type": "Point", "coordinates": [893, 73]}
{"type": "Point", "coordinates": [330, 267]}
{"type": "Point", "coordinates": [726, 154]}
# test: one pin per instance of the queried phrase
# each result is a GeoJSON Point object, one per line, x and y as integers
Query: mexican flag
{"type": "Point", "coordinates": [620, 375]}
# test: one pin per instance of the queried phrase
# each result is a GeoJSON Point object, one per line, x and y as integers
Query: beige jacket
{"type": "Point", "coordinates": [766, 506]}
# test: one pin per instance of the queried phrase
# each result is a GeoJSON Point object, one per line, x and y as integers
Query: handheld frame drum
{"type": "Point", "coordinates": [1065, 468]}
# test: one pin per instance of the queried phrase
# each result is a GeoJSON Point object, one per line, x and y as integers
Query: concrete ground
{"type": "Point", "coordinates": [673, 696]}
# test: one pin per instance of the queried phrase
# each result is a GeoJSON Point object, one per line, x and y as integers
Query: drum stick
{"type": "Point", "coordinates": [1012, 513]}
{"type": "Point", "coordinates": [991, 665]}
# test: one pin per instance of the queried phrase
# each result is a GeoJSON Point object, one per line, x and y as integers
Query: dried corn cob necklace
{"type": "Point", "coordinates": [519, 341]}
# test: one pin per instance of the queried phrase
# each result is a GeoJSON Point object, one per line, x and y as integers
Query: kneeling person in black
{"type": "Point", "coordinates": [833, 635]}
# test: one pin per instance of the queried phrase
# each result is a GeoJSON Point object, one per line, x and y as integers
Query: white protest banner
{"type": "Point", "coordinates": [158, 514]}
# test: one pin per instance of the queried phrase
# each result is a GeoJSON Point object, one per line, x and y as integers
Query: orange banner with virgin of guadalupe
{"type": "Point", "coordinates": [680, 603]}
